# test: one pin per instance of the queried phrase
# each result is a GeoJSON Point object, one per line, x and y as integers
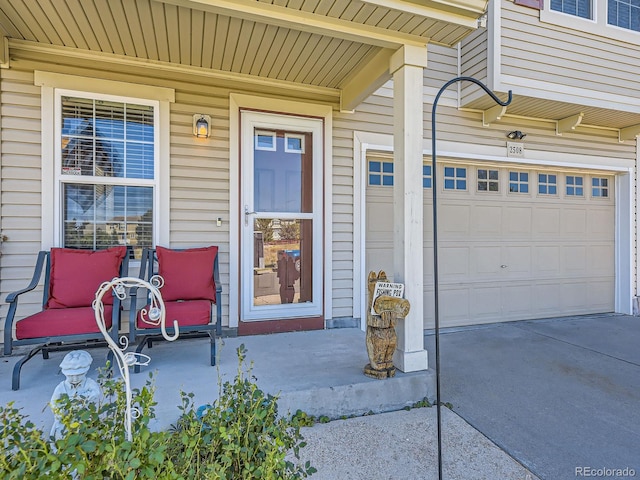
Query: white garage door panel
{"type": "Point", "coordinates": [508, 256]}
{"type": "Point", "coordinates": [518, 301]}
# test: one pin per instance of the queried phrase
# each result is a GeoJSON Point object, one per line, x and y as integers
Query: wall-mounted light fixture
{"type": "Point", "coordinates": [516, 135]}
{"type": "Point", "coordinates": [201, 125]}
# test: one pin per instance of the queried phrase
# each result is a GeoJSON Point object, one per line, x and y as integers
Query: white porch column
{"type": "Point", "coordinates": [407, 66]}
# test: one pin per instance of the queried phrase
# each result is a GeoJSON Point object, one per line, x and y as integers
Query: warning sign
{"type": "Point", "coordinates": [387, 288]}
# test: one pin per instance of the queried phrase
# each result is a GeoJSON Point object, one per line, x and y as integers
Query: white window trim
{"type": "Point", "coordinates": [54, 85]}
{"type": "Point", "coordinates": [597, 25]}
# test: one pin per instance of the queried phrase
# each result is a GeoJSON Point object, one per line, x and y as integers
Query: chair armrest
{"type": "Point", "coordinates": [12, 300]}
{"type": "Point", "coordinates": [37, 273]}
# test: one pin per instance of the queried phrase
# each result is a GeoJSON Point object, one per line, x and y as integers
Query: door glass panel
{"type": "Point", "coordinates": [282, 261]}
{"type": "Point", "coordinates": [283, 176]}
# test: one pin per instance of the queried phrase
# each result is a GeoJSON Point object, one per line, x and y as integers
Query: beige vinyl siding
{"type": "Point", "coordinates": [474, 63]}
{"type": "Point", "coordinates": [20, 207]}
{"type": "Point", "coordinates": [442, 66]}
{"type": "Point", "coordinates": [199, 171]}
{"type": "Point", "coordinates": [566, 57]}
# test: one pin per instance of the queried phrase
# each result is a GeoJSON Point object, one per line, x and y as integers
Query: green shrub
{"type": "Point", "coordinates": [239, 436]}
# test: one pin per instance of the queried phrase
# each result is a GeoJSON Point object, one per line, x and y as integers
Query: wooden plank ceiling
{"type": "Point", "coordinates": [312, 42]}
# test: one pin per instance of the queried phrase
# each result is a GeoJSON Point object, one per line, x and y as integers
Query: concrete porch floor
{"type": "Point", "coordinates": [319, 372]}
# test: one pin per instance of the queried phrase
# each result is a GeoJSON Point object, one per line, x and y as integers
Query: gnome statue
{"type": "Point", "coordinates": [74, 366]}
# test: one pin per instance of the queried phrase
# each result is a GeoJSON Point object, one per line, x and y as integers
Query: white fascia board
{"type": "Point", "coordinates": [309, 22]}
{"type": "Point", "coordinates": [463, 13]}
{"type": "Point", "coordinates": [567, 94]}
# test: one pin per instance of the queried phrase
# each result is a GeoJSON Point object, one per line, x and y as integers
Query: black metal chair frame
{"type": "Point", "coordinates": [53, 343]}
{"type": "Point", "coordinates": [146, 336]}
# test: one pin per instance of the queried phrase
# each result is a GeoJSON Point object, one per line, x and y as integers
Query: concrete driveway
{"type": "Point", "coordinates": [562, 396]}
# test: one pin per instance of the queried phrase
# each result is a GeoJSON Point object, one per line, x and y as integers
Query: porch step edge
{"type": "Point", "coordinates": [356, 399]}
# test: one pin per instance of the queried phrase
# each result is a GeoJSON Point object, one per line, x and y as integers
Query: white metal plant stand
{"type": "Point", "coordinates": [154, 316]}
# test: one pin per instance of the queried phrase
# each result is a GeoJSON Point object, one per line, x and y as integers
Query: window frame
{"type": "Point", "coordinates": [597, 25]}
{"type": "Point", "coordinates": [519, 182]}
{"type": "Point", "coordinates": [54, 85]}
{"type": "Point", "coordinates": [455, 178]}
{"type": "Point", "coordinates": [61, 179]}
{"type": "Point", "coordinates": [427, 177]}
{"type": "Point", "coordinates": [574, 185]}
{"type": "Point", "coordinates": [489, 181]}
{"type": "Point", "coordinates": [382, 174]}
{"type": "Point", "coordinates": [606, 188]}
{"type": "Point", "coordinates": [547, 184]}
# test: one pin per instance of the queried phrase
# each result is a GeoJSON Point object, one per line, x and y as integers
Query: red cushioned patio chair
{"type": "Point", "coordinates": [67, 319]}
{"type": "Point", "coordinates": [190, 291]}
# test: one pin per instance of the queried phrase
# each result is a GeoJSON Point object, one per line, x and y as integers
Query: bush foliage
{"type": "Point", "coordinates": [239, 436]}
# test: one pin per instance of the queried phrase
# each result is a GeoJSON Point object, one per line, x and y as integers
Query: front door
{"type": "Point", "coordinates": [281, 207]}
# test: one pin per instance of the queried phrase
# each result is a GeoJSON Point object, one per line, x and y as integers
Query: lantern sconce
{"type": "Point", "coordinates": [201, 125]}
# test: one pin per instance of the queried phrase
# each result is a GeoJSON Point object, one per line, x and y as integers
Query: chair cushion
{"type": "Point", "coordinates": [187, 313]}
{"type": "Point", "coordinates": [77, 274]}
{"type": "Point", "coordinates": [187, 274]}
{"type": "Point", "coordinates": [57, 321]}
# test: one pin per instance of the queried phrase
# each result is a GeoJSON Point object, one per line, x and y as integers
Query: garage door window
{"type": "Point", "coordinates": [599, 187]}
{"type": "Point", "coordinates": [380, 173]}
{"type": "Point", "coordinates": [426, 176]}
{"type": "Point", "coordinates": [547, 184]}
{"type": "Point", "coordinates": [518, 182]}
{"type": "Point", "coordinates": [455, 178]}
{"type": "Point", "coordinates": [487, 180]}
{"type": "Point", "coordinates": [575, 185]}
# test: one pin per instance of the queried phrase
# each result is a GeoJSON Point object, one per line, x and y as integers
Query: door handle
{"type": "Point", "coordinates": [246, 215]}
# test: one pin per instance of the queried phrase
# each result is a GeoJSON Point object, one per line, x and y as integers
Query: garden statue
{"type": "Point", "coordinates": [74, 366]}
{"type": "Point", "coordinates": [381, 339]}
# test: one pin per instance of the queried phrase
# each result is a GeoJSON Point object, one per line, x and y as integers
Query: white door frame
{"type": "Point", "coordinates": [624, 228]}
{"type": "Point", "coordinates": [236, 214]}
{"type": "Point", "coordinates": [250, 121]}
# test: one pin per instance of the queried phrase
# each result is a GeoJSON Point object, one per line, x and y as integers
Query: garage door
{"type": "Point", "coordinates": [514, 243]}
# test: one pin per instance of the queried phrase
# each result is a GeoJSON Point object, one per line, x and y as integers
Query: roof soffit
{"type": "Point", "coordinates": [307, 21]}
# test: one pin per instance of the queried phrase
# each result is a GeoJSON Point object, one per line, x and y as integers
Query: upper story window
{"type": "Point", "coordinates": [106, 172]}
{"type": "Point", "coordinates": [519, 182]}
{"type": "Point", "coordinates": [455, 178]}
{"type": "Point", "coordinates": [487, 180]}
{"type": "Point", "coordinates": [579, 8]}
{"type": "Point", "coordinates": [547, 184]}
{"type": "Point", "coordinates": [575, 185]}
{"type": "Point", "coordinates": [426, 176]}
{"type": "Point", "coordinates": [624, 14]}
{"type": "Point", "coordinates": [380, 173]}
{"type": "Point", "coordinates": [616, 19]}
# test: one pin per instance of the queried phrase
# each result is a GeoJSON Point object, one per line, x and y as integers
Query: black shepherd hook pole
{"type": "Point", "coordinates": [435, 241]}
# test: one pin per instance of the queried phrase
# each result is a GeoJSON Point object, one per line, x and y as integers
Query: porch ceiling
{"type": "Point", "coordinates": [318, 43]}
